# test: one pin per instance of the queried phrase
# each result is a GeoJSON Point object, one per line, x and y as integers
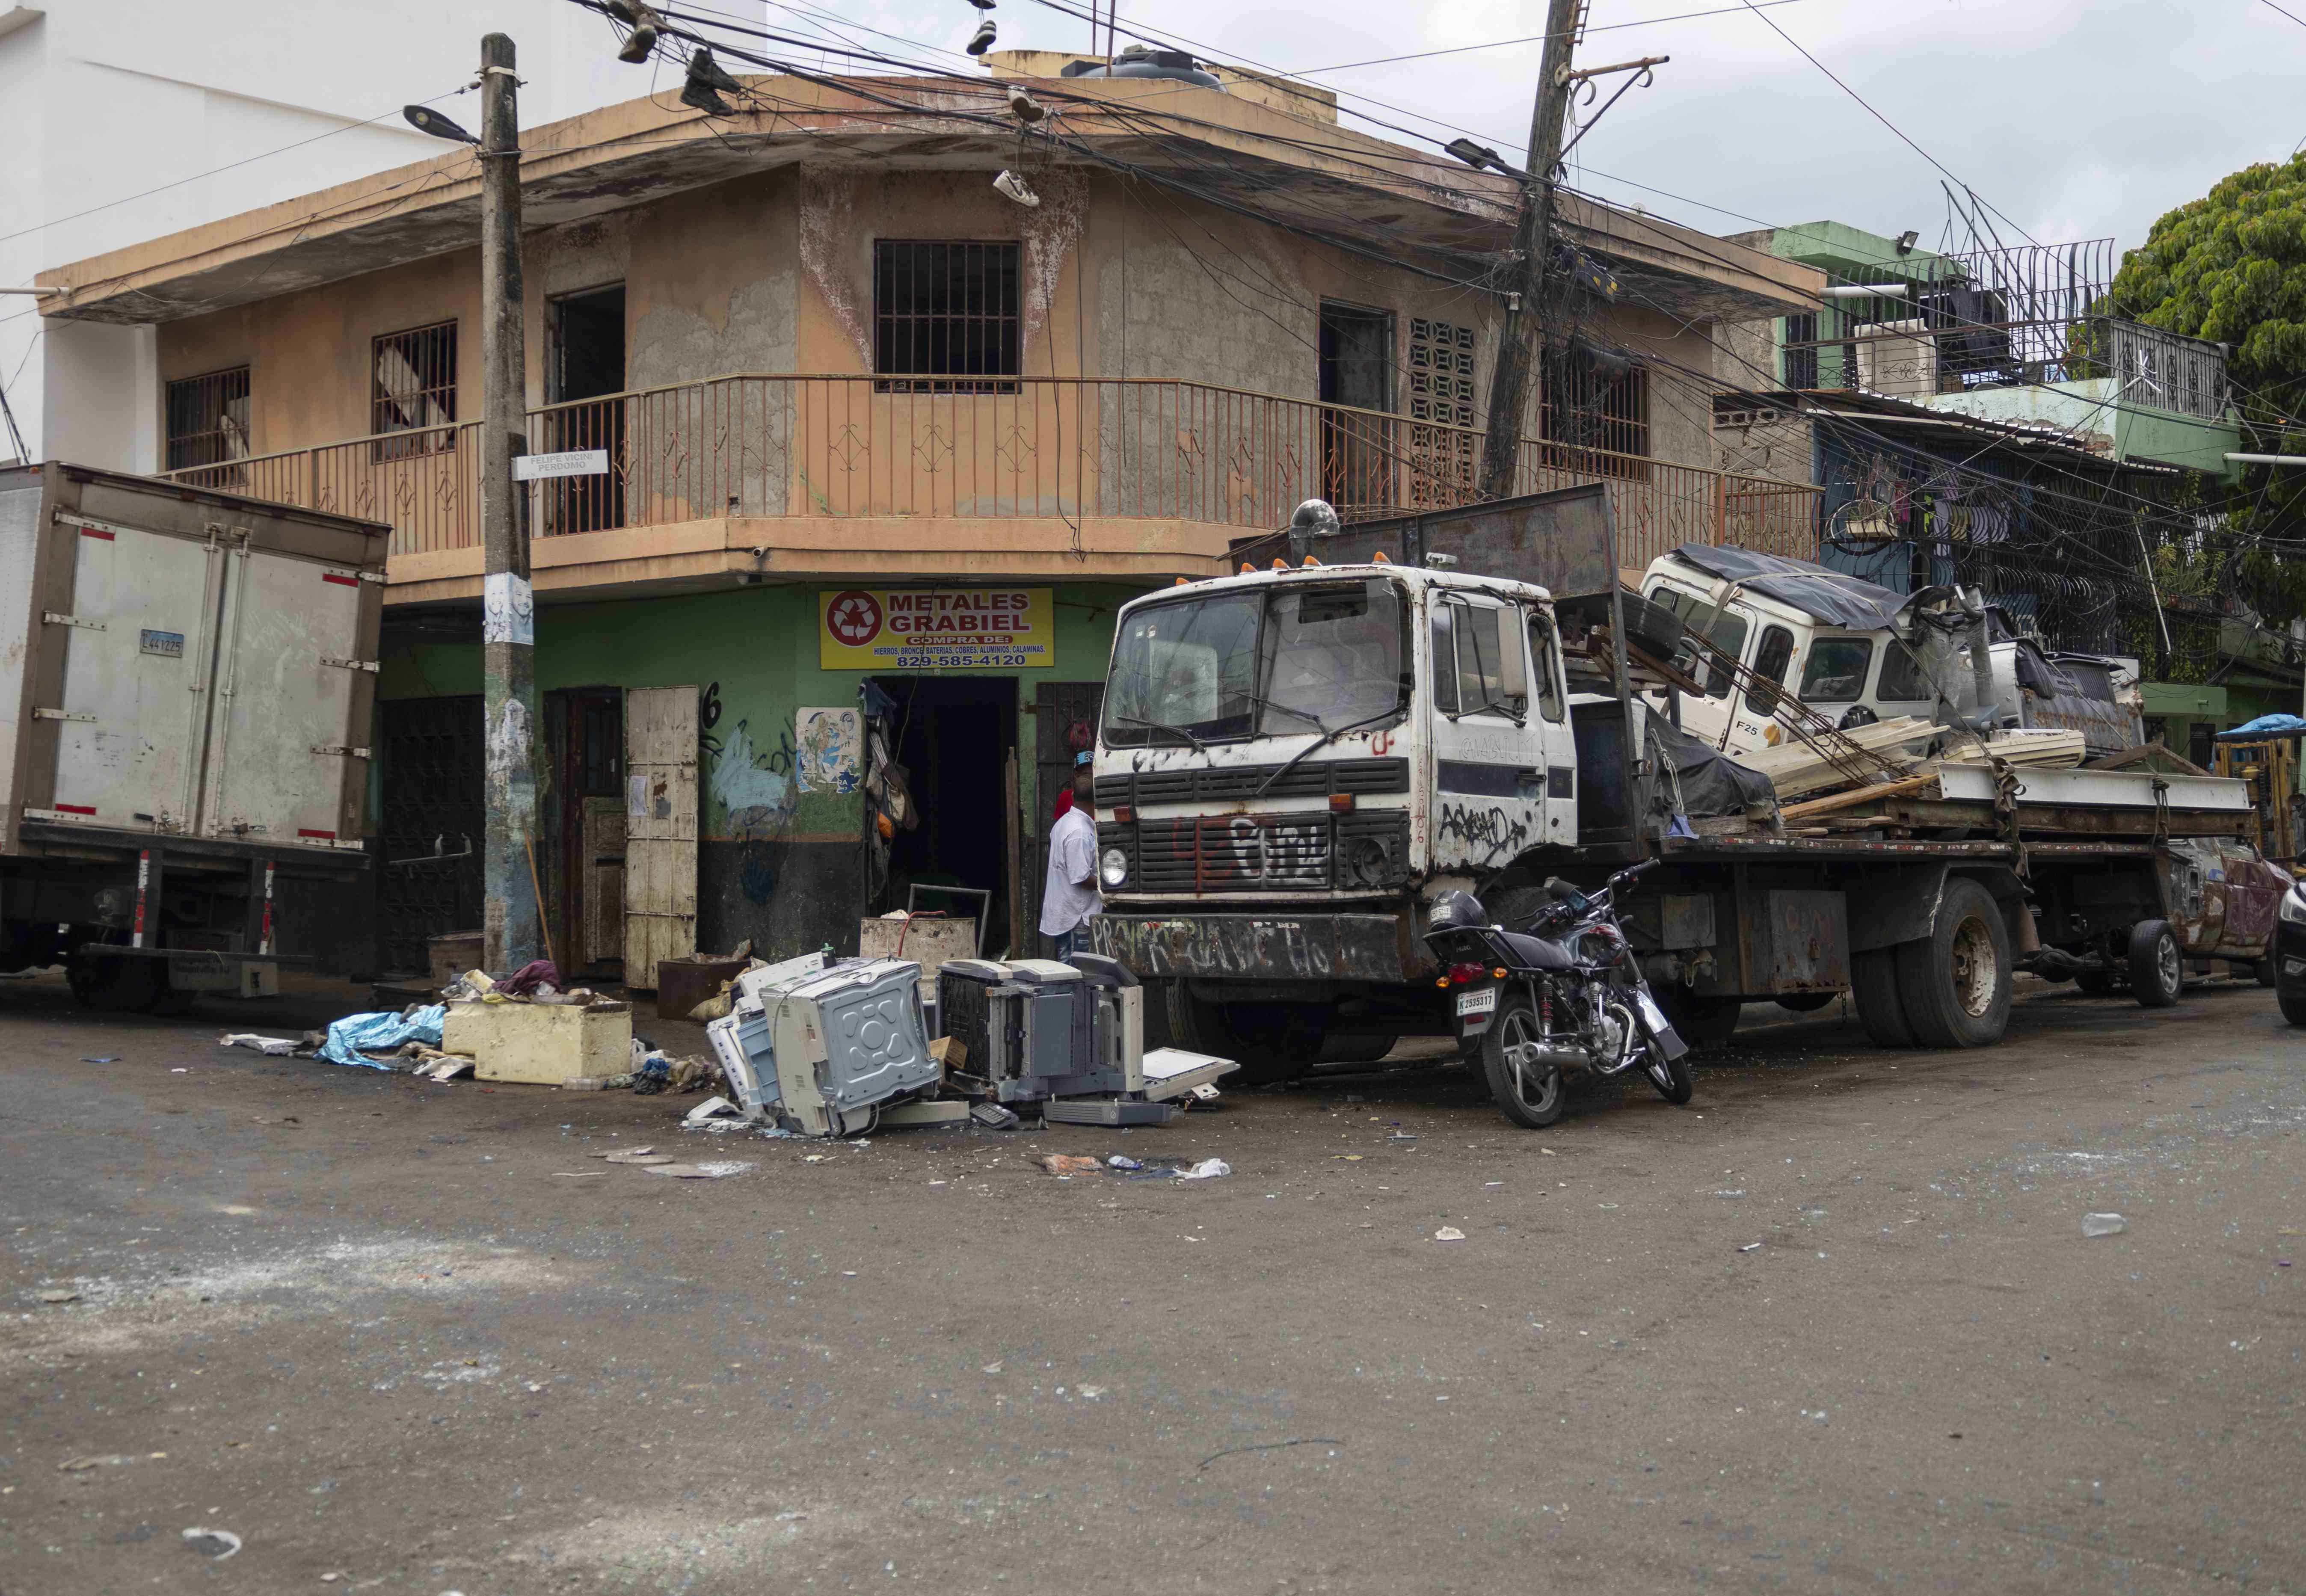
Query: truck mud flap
{"type": "Point", "coordinates": [1318, 947]}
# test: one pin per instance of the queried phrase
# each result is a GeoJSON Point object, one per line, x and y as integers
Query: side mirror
{"type": "Point", "coordinates": [1514, 669]}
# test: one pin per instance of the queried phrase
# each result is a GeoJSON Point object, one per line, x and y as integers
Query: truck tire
{"type": "Point", "coordinates": [1955, 983]}
{"type": "Point", "coordinates": [1271, 1042]}
{"type": "Point", "coordinates": [1701, 1021]}
{"type": "Point", "coordinates": [1873, 983]}
{"type": "Point", "coordinates": [118, 985]}
{"type": "Point", "coordinates": [2158, 972]}
{"type": "Point", "coordinates": [2293, 1005]}
{"type": "Point", "coordinates": [2262, 972]}
{"type": "Point", "coordinates": [1804, 1002]}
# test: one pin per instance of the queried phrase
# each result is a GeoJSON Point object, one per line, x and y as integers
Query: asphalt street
{"type": "Point", "coordinates": [1834, 1326]}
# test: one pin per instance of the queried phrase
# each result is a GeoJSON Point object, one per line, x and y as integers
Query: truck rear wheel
{"type": "Point", "coordinates": [116, 983]}
{"type": "Point", "coordinates": [1271, 1042]}
{"type": "Point", "coordinates": [2157, 974]}
{"type": "Point", "coordinates": [1701, 1021]}
{"type": "Point", "coordinates": [1955, 983]}
{"type": "Point", "coordinates": [1873, 982]}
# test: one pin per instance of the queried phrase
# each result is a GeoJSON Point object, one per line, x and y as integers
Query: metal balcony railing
{"type": "Point", "coordinates": [834, 447]}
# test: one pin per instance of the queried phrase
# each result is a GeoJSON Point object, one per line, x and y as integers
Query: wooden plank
{"type": "Point", "coordinates": [1858, 795]}
{"type": "Point", "coordinates": [661, 818]}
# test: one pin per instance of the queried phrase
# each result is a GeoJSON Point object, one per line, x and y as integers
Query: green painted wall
{"type": "Point", "coordinates": [755, 649]}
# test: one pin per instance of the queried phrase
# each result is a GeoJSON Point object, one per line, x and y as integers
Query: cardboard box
{"type": "Point", "coordinates": [541, 1043]}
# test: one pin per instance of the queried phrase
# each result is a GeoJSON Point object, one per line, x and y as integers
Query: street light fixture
{"type": "Point", "coordinates": [426, 120]}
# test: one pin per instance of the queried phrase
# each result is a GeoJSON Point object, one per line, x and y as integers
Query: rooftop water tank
{"type": "Point", "coordinates": [1139, 62]}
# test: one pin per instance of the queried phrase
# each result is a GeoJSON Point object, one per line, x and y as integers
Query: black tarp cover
{"type": "Point", "coordinates": [1833, 597]}
{"type": "Point", "coordinates": [1711, 783]}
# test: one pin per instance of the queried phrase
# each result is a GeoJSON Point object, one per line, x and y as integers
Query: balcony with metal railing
{"type": "Point", "coordinates": [820, 449]}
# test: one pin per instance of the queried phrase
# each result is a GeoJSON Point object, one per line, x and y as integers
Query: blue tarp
{"type": "Point", "coordinates": [2266, 726]}
{"type": "Point", "coordinates": [382, 1033]}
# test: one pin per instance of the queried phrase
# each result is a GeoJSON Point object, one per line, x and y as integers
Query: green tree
{"type": "Point", "coordinates": [2231, 267]}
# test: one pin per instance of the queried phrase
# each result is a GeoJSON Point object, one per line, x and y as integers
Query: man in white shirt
{"type": "Point", "coordinates": [1069, 895]}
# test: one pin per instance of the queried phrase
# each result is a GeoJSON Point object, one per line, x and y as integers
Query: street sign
{"type": "Point", "coordinates": [577, 462]}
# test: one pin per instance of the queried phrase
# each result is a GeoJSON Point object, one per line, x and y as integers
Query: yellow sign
{"type": "Point", "coordinates": [912, 628]}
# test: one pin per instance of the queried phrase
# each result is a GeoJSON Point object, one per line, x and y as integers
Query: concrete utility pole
{"type": "Point", "coordinates": [510, 920]}
{"type": "Point", "coordinates": [1526, 286]}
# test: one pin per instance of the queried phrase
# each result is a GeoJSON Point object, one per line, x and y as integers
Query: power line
{"type": "Point", "coordinates": [1531, 39]}
{"type": "Point", "coordinates": [1877, 115]}
{"type": "Point", "coordinates": [229, 166]}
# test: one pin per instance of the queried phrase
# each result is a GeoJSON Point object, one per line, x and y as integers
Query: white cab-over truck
{"type": "Point", "coordinates": [1294, 762]}
{"type": "Point", "coordinates": [186, 687]}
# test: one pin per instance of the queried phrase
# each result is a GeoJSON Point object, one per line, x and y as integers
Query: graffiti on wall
{"type": "Point", "coordinates": [1477, 830]}
{"type": "Point", "coordinates": [830, 744]}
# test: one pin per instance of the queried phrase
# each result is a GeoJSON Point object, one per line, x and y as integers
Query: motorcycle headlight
{"type": "Point", "coordinates": [1113, 868]}
{"type": "Point", "coordinates": [2293, 905]}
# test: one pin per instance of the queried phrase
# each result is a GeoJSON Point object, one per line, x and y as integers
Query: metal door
{"type": "Point", "coordinates": [134, 715]}
{"type": "Point", "coordinates": [660, 830]}
{"type": "Point", "coordinates": [1489, 753]}
{"type": "Point", "coordinates": [1065, 725]}
{"type": "Point", "coordinates": [282, 748]}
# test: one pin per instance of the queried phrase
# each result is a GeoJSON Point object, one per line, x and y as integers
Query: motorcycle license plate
{"type": "Point", "coordinates": [1484, 1001]}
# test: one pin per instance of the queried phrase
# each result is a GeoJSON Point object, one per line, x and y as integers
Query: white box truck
{"type": "Point", "coordinates": [187, 680]}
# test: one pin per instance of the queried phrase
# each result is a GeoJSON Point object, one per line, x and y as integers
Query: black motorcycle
{"type": "Point", "coordinates": [1565, 994]}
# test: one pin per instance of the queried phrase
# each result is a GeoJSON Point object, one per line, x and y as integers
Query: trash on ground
{"type": "Point", "coordinates": [2104, 1224]}
{"type": "Point", "coordinates": [708, 1108]}
{"type": "Point", "coordinates": [211, 1543]}
{"type": "Point", "coordinates": [109, 1059]}
{"type": "Point", "coordinates": [994, 1117]}
{"type": "Point", "coordinates": [1750, 1247]}
{"type": "Point", "coordinates": [1448, 1232]}
{"type": "Point", "coordinates": [641, 1157]}
{"type": "Point", "coordinates": [624, 1152]}
{"type": "Point", "coordinates": [353, 1037]}
{"type": "Point", "coordinates": [1065, 1164]}
{"type": "Point", "coordinates": [60, 1294]}
{"type": "Point", "coordinates": [597, 1083]}
{"type": "Point", "coordinates": [538, 1044]}
{"type": "Point", "coordinates": [276, 1047]}
{"type": "Point", "coordinates": [697, 1172]}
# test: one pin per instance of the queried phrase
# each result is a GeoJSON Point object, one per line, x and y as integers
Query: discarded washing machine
{"type": "Point", "coordinates": [819, 1046]}
{"type": "Point", "coordinates": [1069, 1034]}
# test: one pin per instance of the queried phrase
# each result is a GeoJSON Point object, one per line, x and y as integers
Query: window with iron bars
{"type": "Point", "coordinates": [207, 425]}
{"type": "Point", "coordinates": [1801, 351]}
{"type": "Point", "coordinates": [414, 389]}
{"type": "Point", "coordinates": [945, 317]}
{"type": "Point", "coordinates": [1594, 419]}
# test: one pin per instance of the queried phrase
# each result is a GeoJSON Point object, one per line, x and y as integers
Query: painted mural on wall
{"type": "Point", "coordinates": [831, 749]}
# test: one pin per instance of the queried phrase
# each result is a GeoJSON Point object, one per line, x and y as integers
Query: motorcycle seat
{"type": "Point", "coordinates": [1534, 953]}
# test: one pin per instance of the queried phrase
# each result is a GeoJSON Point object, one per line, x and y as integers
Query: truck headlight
{"type": "Point", "coordinates": [2293, 905]}
{"type": "Point", "coordinates": [1113, 869]}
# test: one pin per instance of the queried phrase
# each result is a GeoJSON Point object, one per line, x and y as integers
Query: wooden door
{"type": "Point", "coordinates": [602, 867]}
{"type": "Point", "coordinates": [660, 830]}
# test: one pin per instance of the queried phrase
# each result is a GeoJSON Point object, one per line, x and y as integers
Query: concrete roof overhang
{"type": "Point", "coordinates": [1418, 206]}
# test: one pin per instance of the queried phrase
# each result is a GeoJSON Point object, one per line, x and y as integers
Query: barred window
{"type": "Point", "coordinates": [414, 389]}
{"type": "Point", "coordinates": [945, 314]}
{"type": "Point", "coordinates": [208, 419]}
{"type": "Point", "coordinates": [1600, 410]}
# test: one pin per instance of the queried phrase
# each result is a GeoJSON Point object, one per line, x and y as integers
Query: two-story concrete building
{"type": "Point", "coordinates": [885, 443]}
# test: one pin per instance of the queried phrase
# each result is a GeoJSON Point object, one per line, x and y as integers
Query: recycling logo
{"type": "Point", "coordinates": [854, 618]}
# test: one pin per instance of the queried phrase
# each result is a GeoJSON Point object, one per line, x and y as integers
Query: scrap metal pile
{"type": "Point", "coordinates": [823, 1046]}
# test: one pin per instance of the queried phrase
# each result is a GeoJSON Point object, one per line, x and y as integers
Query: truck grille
{"type": "Point", "coordinates": [1313, 778]}
{"type": "Point", "coordinates": [1310, 851]}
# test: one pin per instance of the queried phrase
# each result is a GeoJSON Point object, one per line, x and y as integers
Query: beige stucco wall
{"type": "Point", "coordinates": [773, 273]}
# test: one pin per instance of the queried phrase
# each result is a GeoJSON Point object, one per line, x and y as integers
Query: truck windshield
{"type": "Point", "coordinates": [1297, 658]}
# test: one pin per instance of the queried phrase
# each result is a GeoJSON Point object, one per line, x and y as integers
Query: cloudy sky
{"type": "Point", "coordinates": [2076, 118]}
